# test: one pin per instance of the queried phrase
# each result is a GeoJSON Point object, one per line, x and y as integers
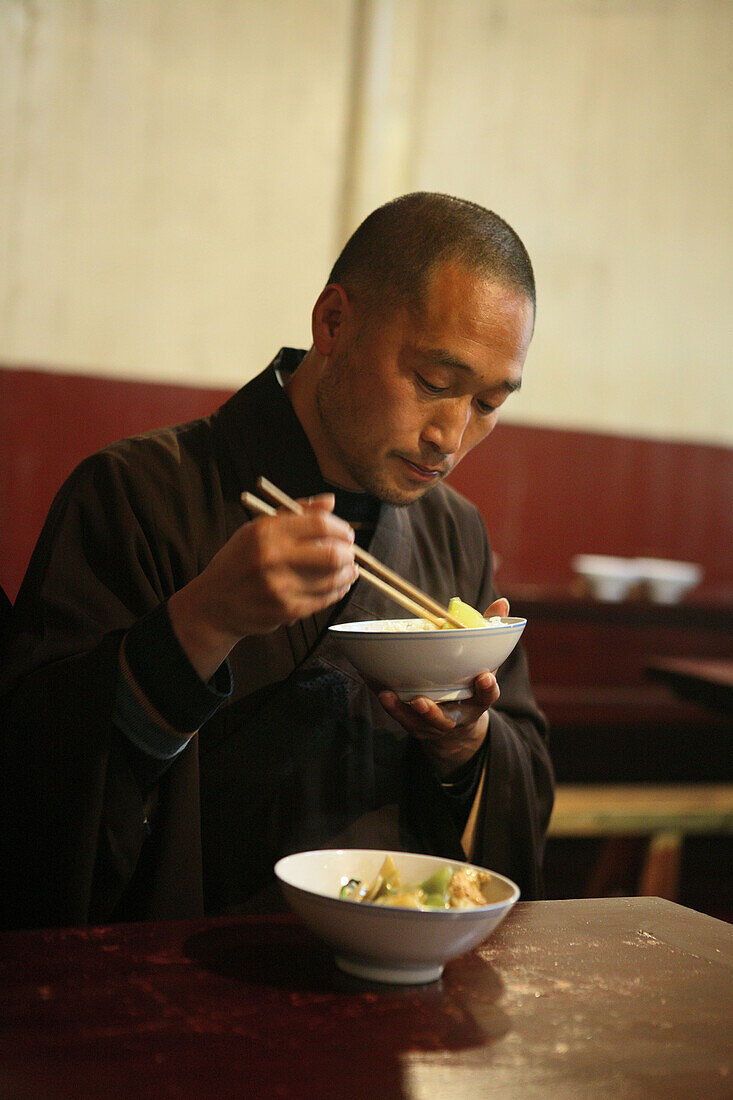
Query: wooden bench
{"type": "Point", "coordinates": [661, 815]}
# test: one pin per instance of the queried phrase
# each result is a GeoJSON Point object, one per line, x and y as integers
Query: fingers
{"type": "Point", "coordinates": [315, 545]}
{"type": "Point", "coordinates": [315, 521]}
{"type": "Point", "coordinates": [277, 569]}
{"type": "Point", "coordinates": [304, 563]}
{"type": "Point", "coordinates": [313, 527]}
{"type": "Point", "coordinates": [324, 501]}
{"type": "Point", "coordinates": [448, 743]}
{"type": "Point", "coordinates": [274, 570]}
{"type": "Point", "coordinates": [486, 689]}
{"type": "Point", "coordinates": [423, 716]}
{"type": "Point", "coordinates": [314, 552]}
{"type": "Point", "coordinates": [420, 715]}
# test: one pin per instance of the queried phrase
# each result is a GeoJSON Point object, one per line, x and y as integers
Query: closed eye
{"type": "Point", "coordinates": [429, 387]}
{"type": "Point", "coordinates": [483, 407]}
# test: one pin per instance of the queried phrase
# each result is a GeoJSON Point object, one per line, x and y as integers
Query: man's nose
{"type": "Point", "coordinates": [445, 429]}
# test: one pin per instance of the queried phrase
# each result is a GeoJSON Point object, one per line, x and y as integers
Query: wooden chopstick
{"type": "Point", "coordinates": [378, 574]}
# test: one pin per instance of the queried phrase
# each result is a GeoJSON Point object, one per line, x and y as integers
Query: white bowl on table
{"type": "Point", "coordinates": [607, 578]}
{"type": "Point", "coordinates": [668, 581]}
{"type": "Point", "coordinates": [402, 655]}
{"type": "Point", "coordinates": [386, 943]}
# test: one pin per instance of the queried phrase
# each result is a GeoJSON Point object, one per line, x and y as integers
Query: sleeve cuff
{"type": "Point", "coordinates": [160, 700]}
{"type": "Point", "coordinates": [461, 785]}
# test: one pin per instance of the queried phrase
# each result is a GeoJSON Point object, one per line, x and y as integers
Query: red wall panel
{"type": "Point", "coordinates": [50, 422]}
{"type": "Point", "coordinates": [545, 494]}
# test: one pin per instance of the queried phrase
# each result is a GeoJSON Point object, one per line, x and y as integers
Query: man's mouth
{"type": "Point", "coordinates": [424, 473]}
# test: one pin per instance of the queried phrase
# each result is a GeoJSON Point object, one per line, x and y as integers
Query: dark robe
{"type": "Point", "coordinates": [301, 756]}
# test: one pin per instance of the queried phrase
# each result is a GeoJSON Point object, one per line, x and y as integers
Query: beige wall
{"type": "Point", "coordinates": [602, 130]}
{"type": "Point", "coordinates": [177, 175]}
{"type": "Point", "coordinates": [169, 181]}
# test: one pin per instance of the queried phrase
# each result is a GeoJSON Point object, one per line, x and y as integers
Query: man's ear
{"type": "Point", "coordinates": [329, 314]}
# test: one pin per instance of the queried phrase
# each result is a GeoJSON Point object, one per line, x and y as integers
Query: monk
{"type": "Point", "coordinates": [175, 715]}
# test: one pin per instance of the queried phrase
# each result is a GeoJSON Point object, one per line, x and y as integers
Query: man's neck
{"type": "Point", "coordinates": [301, 386]}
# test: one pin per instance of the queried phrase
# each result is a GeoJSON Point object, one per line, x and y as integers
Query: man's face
{"type": "Point", "coordinates": [402, 401]}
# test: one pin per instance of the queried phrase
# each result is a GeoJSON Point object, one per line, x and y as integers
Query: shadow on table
{"type": "Point", "coordinates": [457, 1012]}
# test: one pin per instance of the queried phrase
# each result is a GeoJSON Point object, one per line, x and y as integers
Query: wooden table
{"type": "Point", "coordinates": [663, 815]}
{"type": "Point", "coordinates": [643, 809]}
{"type": "Point", "coordinates": [620, 997]}
{"type": "Point", "coordinates": [709, 682]}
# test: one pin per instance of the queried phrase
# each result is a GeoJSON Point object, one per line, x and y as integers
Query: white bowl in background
{"type": "Point", "coordinates": [439, 664]}
{"type": "Point", "coordinates": [608, 578]}
{"type": "Point", "coordinates": [386, 943]}
{"type": "Point", "coordinates": [667, 581]}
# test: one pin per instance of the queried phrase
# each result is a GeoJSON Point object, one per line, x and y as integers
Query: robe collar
{"type": "Point", "coordinates": [264, 437]}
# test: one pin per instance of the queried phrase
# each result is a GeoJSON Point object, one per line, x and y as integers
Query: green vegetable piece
{"type": "Point", "coordinates": [350, 888]}
{"type": "Point", "coordinates": [438, 883]}
{"type": "Point", "coordinates": [436, 901]}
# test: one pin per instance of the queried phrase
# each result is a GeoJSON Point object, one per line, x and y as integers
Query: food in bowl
{"type": "Point", "coordinates": [468, 616]}
{"type": "Point", "coordinates": [401, 626]}
{"type": "Point", "coordinates": [446, 888]}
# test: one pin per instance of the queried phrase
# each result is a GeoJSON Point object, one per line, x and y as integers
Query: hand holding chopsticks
{"type": "Point", "coordinates": [378, 575]}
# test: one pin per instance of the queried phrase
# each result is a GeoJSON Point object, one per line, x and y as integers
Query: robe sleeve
{"type": "Point", "coordinates": [518, 791]}
{"type": "Point", "coordinates": [75, 819]}
{"type": "Point", "coordinates": [516, 796]}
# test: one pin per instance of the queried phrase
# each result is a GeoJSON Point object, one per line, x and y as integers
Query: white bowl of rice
{"type": "Point", "coordinates": [411, 657]}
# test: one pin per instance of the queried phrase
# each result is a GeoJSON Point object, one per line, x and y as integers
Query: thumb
{"type": "Point", "coordinates": [498, 607]}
